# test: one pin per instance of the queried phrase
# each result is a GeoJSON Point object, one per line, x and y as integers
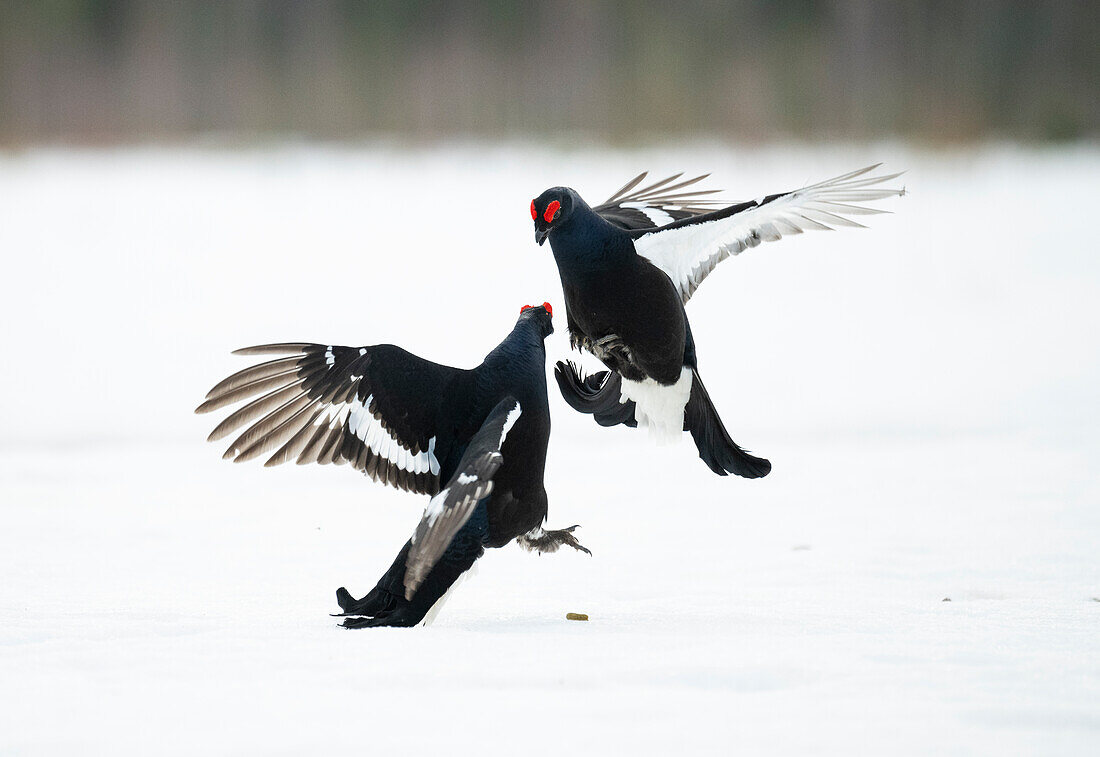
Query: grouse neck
{"type": "Point", "coordinates": [525, 336]}
{"type": "Point", "coordinates": [587, 242]}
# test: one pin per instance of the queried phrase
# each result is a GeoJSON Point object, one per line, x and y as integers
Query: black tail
{"type": "Point", "coordinates": [716, 449]}
{"type": "Point", "coordinates": [597, 395]}
{"type": "Point", "coordinates": [386, 605]}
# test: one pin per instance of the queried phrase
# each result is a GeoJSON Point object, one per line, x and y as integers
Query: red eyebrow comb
{"type": "Point", "coordinates": [534, 213]}
{"type": "Point", "coordinates": [545, 306]}
{"type": "Point", "coordinates": [551, 209]}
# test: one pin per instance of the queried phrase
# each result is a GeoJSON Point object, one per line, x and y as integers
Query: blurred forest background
{"type": "Point", "coordinates": [105, 71]}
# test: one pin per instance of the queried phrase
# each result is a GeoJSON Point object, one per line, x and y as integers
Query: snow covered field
{"type": "Point", "coordinates": [926, 390]}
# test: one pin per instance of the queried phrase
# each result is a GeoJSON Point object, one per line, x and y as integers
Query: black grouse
{"type": "Point", "coordinates": [475, 440]}
{"type": "Point", "coordinates": [630, 265]}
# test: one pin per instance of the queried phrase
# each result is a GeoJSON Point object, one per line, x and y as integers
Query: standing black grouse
{"type": "Point", "coordinates": [473, 439]}
{"type": "Point", "coordinates": [630, 265]}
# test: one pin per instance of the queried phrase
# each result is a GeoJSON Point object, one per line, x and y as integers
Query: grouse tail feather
{"type": "Point", "coordinates": [716, 448]}
{"type": "Point", "coordinates": [598, 395]}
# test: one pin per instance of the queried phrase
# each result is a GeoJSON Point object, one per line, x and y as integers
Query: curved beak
{"type": "Point", "coordinates": [540, 236]}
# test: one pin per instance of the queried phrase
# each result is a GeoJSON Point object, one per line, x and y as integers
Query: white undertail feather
{"type": "Point", "coordinates": [659, 408]}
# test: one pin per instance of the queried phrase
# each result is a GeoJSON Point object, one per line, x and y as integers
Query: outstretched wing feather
{"type": "Point", "coordinates": [375, 408]}
{"type": "Point", "coordinates": [650, 206]}
{"type": "Point", "coordinates": [627, 187]}
{"type": "Point", "coordinates": [690, 248]}
{"type": "Point", "coordinates": [254, 373]}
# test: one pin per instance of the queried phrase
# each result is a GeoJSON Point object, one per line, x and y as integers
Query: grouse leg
{"type": "Point", "coordinates": [540, 540]}
{"type": "Point", "coordinates": [611, 349]}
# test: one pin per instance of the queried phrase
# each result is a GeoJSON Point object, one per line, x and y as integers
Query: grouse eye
{"type": "Point", "coordinates": [534, 213]}
{"type": "Point", "coordinates": [551, 210]}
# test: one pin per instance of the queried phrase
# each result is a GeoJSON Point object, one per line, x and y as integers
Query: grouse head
{"type": "Point", "coordinates": [551, 209]}
{"type": "Point", "coordinates": [541, 315]}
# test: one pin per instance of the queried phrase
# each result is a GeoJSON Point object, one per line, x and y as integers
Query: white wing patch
{"type": "Point", "coordinates": [509, 421]}
{"type": "Point", "coordinates": [435, 507]}
{"type": "Point", "coordinates": [656, 215]}
{"type": "Point", "coordinates": [381, 442]}
{"type": "Point", "coordinates": [689, 253]}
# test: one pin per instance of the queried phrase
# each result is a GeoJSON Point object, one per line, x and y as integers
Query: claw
{"type": "Point", "coordinates": [576, 545]}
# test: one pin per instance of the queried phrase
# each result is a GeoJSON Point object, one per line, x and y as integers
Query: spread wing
{"type": "Point", "coordinates": [689, 249]}
{"type": "Point", "coordinates": [375, 408]}
{"type": "Point", "coordinates": [656, 204]}
{"type": "Point", "coordinates": [449, 510]}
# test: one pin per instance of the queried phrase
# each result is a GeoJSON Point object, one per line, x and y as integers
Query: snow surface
{"type": "Point", "coordinates": [926, 391]}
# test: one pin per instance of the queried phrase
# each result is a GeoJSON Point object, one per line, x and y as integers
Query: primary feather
{"type": "Point", "coordinates": [687, 250]}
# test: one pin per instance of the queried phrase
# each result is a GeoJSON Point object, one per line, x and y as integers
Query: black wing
{"type": "Point", "coordinates": [656, 204]}
{"type": "Point", "coordinates": [449, 510]}
{"type": "Point", "coordinates": [376, 408]}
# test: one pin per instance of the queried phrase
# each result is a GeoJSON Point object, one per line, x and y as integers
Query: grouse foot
{"type": "Point", "coordinates": [612, 350]}
{"type": "Point", "coordinates": [540, 540]}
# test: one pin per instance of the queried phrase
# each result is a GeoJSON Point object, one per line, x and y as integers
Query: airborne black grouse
{"type": "Point", "coordinates": [473, 439]}
{"type": "Point", "coordinates": [627, 269]}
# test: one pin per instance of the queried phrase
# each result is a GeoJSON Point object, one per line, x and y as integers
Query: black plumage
{"type": "Point", "coordinates": [473, 439]}
{"type": "Point", "coordinates": [628, 267]}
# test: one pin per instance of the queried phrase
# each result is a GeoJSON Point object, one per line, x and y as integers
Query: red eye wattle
{"type": "Point", "coordinates": [551, 209]}
{"type": "Point", "coordinates": [545, 306]}
{"type": "Point", "coordinates": [534, 215]}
